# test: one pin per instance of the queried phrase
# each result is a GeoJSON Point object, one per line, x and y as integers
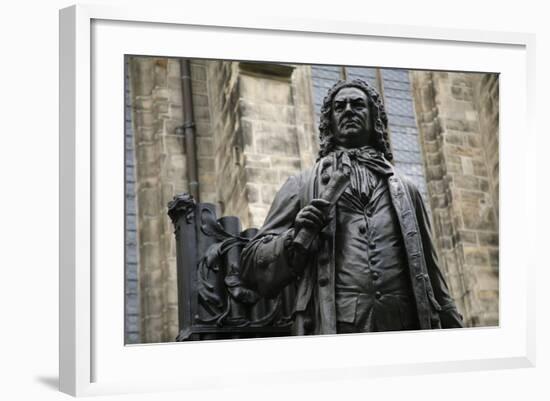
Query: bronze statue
{"type": "Point", "coordinates": [351, 233]}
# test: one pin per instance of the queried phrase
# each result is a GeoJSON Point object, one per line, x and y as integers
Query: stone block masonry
{"type": "Point", "coordinates": [263, 132]}
{"type": "Point", "coordinates": [160, 168]}
{"type": "Point", "coordinates": [256, 125]}
{"type": "Point", "coordinates": [132, 295]}
{"type": "Point", "coordinates": [458, 121]}
{"type": "Point", "coordinates": [157, 112]}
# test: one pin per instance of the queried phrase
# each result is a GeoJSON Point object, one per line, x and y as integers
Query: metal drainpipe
{"type": "Point", "coordinates": [189, 128]}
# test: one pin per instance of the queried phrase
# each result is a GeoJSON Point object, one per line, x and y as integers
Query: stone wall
{"type": "Point", "coordinates": [459, 140]}
{"type": "Point", "coordinates": [132, 321]}
{"type": "Point", "coordinates": [161, 173]}
{"type": "Point", "coordinates": [255, 125]}
{"type": "Point", "coordinates": [487, 98]}
{"type": "Point", "coordinates": [229, 179]}
{"type": "Point", "coordinates": [204, 133]}
{"type": "Point", "coordinates": [160, 167]}
{"type": "Point", "coordinates": [263, 132]}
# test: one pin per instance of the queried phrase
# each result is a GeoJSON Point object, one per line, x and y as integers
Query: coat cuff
{"type": "Point", "coordinates": [450, 317]}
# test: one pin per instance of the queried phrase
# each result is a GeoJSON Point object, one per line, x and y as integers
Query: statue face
{"type": "Point", "coordinates": [351, 120]}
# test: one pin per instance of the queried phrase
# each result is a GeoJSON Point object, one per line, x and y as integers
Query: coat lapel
{"type": "Point", "coordinates": [325, 306]}
{"type": "Point", "coordinates": [409, 228]}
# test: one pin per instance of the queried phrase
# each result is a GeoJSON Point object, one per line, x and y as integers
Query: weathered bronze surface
{"type": "Point", "coordinates": [363, 258]}
{"type": "Point", "coordinates": [212, 301]}
{"type": "Point", "coordinates": [346, 246]}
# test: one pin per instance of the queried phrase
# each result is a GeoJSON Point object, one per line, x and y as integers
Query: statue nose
{"type": "Point", "coordinates": [348, 109]}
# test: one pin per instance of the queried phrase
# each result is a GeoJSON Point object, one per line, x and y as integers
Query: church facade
{"type": "Point", "coordinates": [255, 124]}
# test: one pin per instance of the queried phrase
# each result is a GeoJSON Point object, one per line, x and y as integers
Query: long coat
{"type": "Point", "coordinates": [267, 266]}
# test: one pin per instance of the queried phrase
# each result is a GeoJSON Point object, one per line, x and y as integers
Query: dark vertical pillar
{"type": "Point", "coordinates": [189, 128]}
{"type": "Point", "coordinates": [206, 211]}
{"type": "Point", "coordinates": [182, 212]}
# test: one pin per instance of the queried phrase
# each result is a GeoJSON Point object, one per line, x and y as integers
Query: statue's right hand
{"type": "Point", "coordinates": [314, 216]}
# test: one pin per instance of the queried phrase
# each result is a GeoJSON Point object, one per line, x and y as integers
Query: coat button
{"type": "Point", "coordinates": [323, 260]}
{"type": "Point", "coordinates": [378, 294]}
{"type": "Point", "coordinates": [323, 281]}
{"type": "Point", "coordinates": [362, 229]}
{"type": "Point", "coordinates": [325, 178]}
{"type": "Point", "coordinates": [375, 276]}
{"type": "Point", "coordinates": [372, 245]}
{"type": "Point", "coordinates": [327, 163]}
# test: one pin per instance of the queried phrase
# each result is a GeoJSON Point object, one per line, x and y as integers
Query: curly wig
{"type": "Point", "coordinates": [377, 111]}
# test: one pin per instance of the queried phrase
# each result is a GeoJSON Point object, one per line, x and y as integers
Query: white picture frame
{"type": "Point", "coordinates": [93, 358]}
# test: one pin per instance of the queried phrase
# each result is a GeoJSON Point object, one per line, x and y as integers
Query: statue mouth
{"type": "Point", "coordinates": [347, 124]}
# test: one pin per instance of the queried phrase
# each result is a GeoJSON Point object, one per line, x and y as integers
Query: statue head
{"type": "Point", "coordinates": [352, 116]}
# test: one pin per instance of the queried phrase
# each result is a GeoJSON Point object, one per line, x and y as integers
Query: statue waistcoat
{"type": "Point", "coordinates": [372, 280]}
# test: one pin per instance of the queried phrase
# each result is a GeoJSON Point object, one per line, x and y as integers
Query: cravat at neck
{"type": "Point", "coordinates": [366, 155]}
